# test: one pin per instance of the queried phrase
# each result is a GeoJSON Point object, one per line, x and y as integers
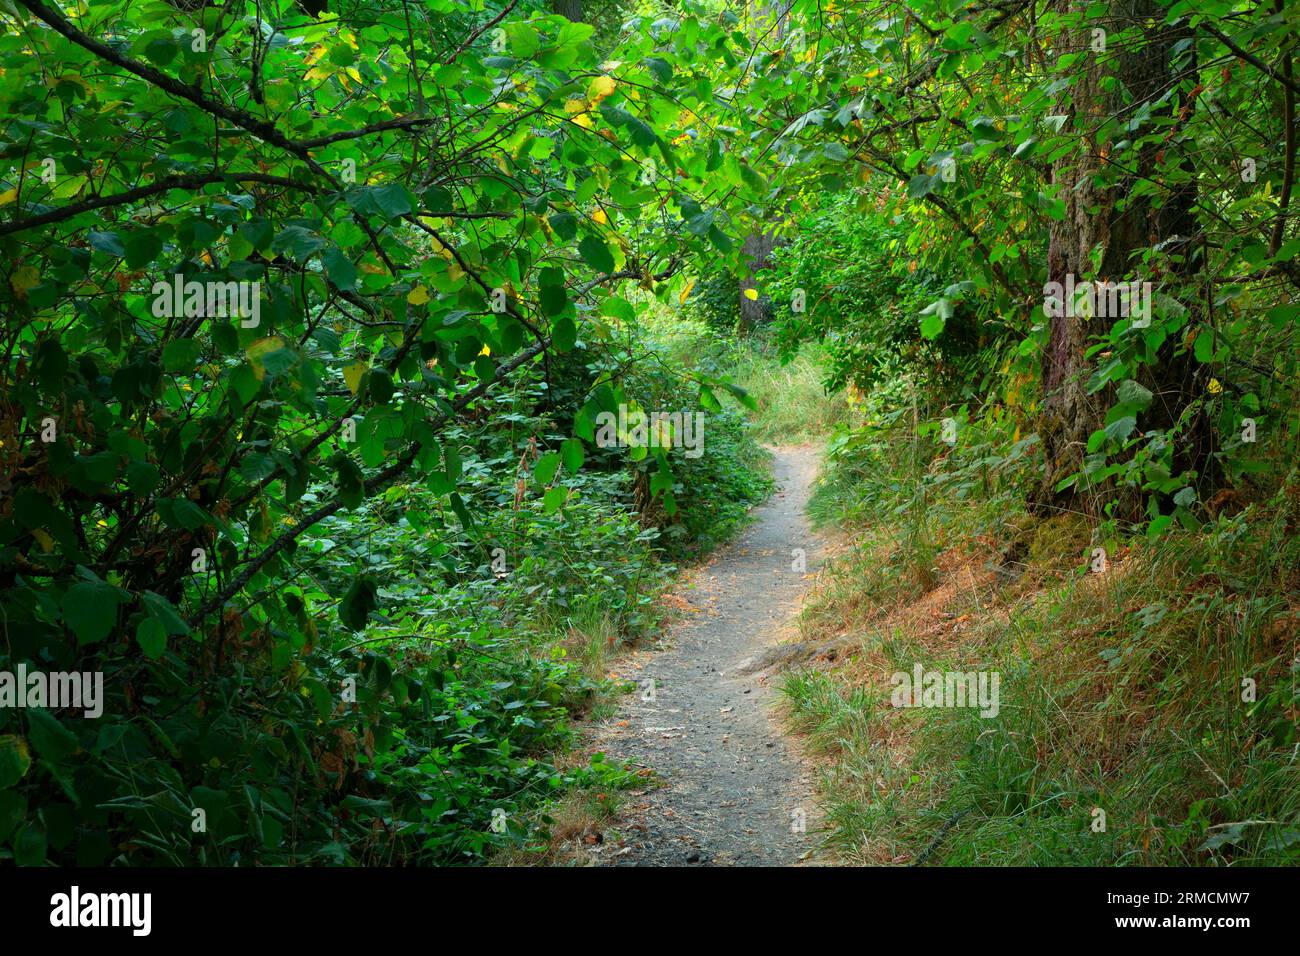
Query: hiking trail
{"type": "Point", "coordinates": [732, 787]}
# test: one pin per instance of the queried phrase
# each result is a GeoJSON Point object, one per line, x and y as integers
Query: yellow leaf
{"type": "Point", "coordinates": [751, 294]}
{"type": "Point", "coordinates": [43, 537]}
{"type": "Point", "coordinates": [259, 350]}
{"type": "Point", "coordinates": [600, 217]}
{"type": "Point", "coordinates": [1214, 387]}
{"type": "Point", "coordinates": [418, 296]}
{"type": "Point", "coordinates": [577, 104]}
{"type": "Point", "coordinates": [485, 351]}
{"type": "Point", "coordinates": [437, 246]}
{"type": "Point", "coordinates": [23, 279]}
{"type": "Point", "coordinates": [352, 375]}
{"type": "Point", "coordinates": [601, 87]}
{"type": "Point", "coordinates": [686, 292]}
{"type": "Point", "coordinates": [8, 196]}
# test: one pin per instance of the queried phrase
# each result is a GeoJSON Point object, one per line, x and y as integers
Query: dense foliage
{"type": "Point", "coordinates": [312, 321]}
{"type": "Point", "coordinates": [326, 540]}
{"type": "Point", "coordinates": [1093, 498]}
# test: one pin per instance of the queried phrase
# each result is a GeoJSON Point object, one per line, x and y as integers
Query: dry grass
{"type": "Point", "coordinates": [577, 822]}
{"type": "Point", "coordinates": [1119, 688]}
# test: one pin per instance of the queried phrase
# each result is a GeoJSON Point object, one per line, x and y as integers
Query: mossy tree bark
{"type": "Point", "coordinates": [1101, 234]}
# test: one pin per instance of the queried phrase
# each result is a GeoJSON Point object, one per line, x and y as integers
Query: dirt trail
{"type": "Point", "coordinates": [733, 788]}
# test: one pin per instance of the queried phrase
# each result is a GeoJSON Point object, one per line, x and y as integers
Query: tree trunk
{"type": "Point", "coordinates": [757, 249]}
{"type": "Point", "coordinates": [1101, 217]}
{"type": "Point", "coordinates": [758, 245]}
{"type": "Point", "coordinates": [569, 9]}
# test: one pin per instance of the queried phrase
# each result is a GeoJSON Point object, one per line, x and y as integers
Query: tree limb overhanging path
{"type": "Point", "coordinates": [732, 790]}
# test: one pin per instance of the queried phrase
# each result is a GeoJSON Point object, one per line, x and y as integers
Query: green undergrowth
{"type": "Point", "coordinates": [407, 694]}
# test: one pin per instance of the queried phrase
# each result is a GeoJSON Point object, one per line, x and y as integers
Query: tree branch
{"type": "Point", "coordinates": [1250, 58]}
{"type": "Point", "coordinates": [192, 181]}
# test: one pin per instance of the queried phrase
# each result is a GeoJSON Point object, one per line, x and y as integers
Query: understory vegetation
{"type": "Point", "coordinates": [1122, 691]}
{"type": "Point", "coordinates": [429, 667]}
{"type": "Point", "coordinates": [1149, 673]}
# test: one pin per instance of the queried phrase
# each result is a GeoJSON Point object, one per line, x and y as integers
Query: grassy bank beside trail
{"type": "Point", "coordinates": [1148, 704]}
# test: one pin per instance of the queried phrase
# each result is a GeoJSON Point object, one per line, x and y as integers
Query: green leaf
{"type": "Point", "coordinates": [618, 308]}
{"type": "Point", "coordinates": [245, 383]}
{"type": "Point", "coordinates": [572, 452]}
{"type": "Point", "coordinates": [1204, 347]}
{"type": "Point", "coordinates": [452, 461]}
{"type": "Point", "coordinates": [546, 467]}
{"type": "Point", "coordinates": [596, 254]}
{"type": "Point", "coordinates": [164, 612]}
{"type": "Point", "coordinates": [931, 325]}
{"type": "Point", "coordinates": [152, 637]}
{"type": "Point", "coordinates": [297, 241]}
{"type": "Point", "coordinates": [180, 355]}
{"type": "Point", "coordinates": [554, 499]}
{"type": "Point", "coordinates": [565, 225]}
{"type": "Point", "coordinates": [389, 201]}
{"type": "Point", "coordinates": [523, 40]}
{"type": "Point", "coordinates": [340, 269]}
{"type": "Point", "coordinates": [564, 334]}
{"type": "Point", "coordinates": [1053, 208]}
{"type": "Point", "coordinates": [1121, 428]}
{"type": "Point", "coordinates": [553, 299]}
{"type": "Point", "coordinates": [921, 185]}
{"type": "Point", "coordinates": [13, 805]}
{"type": "Point", "coordinates": [1131, 393]}
{"type": "Point", "coordinates": [741, 396]}
{"type": "Point", "coordinates": [351, 482]}
{"type": "Point", "coordinates": [659, 67]}
{"type": "Point", "coordinates": [90, 609]}
{"type": "Point", "coordinates": [836, 152]}
{"type": "Point", "coordinates": [379, 385]}
{"type": "Point", "coordinates": [183, 513]}
{"type": "Point", "coordinates": [30, 845]}
{"type": "Point", "coordinates": [361, 598]}
{"type": "Point", "coordinates": [109, 242]}
{"type": "Point", "coordinates": [142, 247]}
{"type": "Point", "coordinates": [51, 740]}
{"type": "Point", "coordinates": [458, 506]}
{"type": "Point", "coordinates": [15, 760]}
